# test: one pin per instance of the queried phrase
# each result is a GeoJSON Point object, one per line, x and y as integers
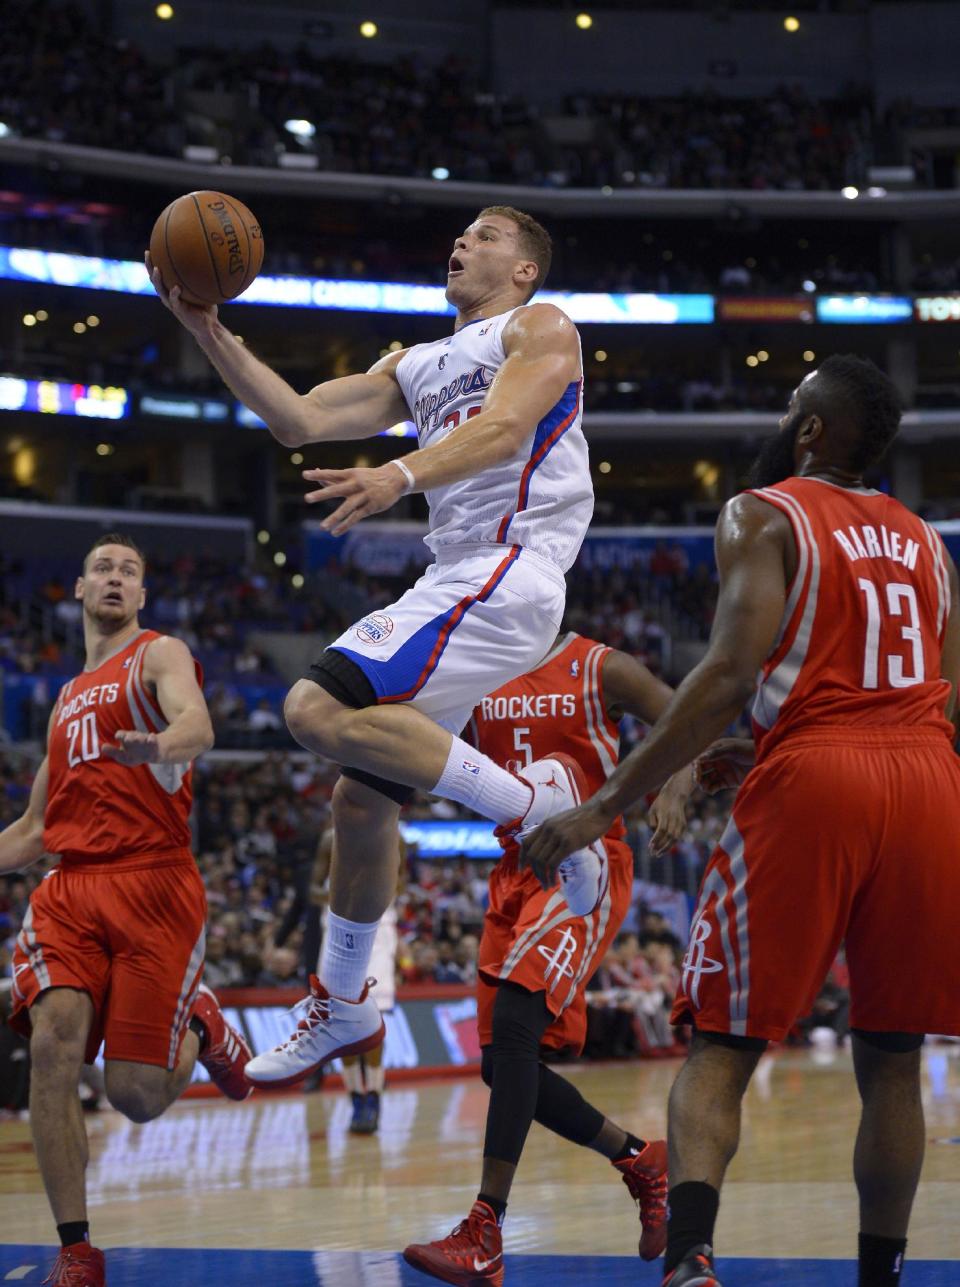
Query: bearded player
{"type": "Point", "coordinates": [846, 605]}
{"type": "Point", "coordinates": [536, 958]}
{"type": "Point", "coordinates": [503, 463]}
{"type": "Point", "coordinates": [112, 945]}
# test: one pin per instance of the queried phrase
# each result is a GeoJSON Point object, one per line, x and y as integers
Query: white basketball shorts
{"type": "Point", "coordinates": [477, 618]}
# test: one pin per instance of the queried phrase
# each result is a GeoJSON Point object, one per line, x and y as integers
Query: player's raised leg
{"type": "Point", "coordinates": [393, 746]}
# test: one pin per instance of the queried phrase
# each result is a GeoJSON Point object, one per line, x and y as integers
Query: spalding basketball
{"type": "Point", "coordinates": [208, 244]}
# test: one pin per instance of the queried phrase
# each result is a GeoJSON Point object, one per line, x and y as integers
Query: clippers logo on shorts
{"type": "Point", "coordinates": [696, 963]}
{"type": "Point", "coordinates": [560, 958]}
{"type": "Point", "coordinates": [375, 629]}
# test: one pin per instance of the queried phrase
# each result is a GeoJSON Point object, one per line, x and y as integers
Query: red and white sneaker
{"type": "Point", "coordinates": [645, 1175]}
{"type": "Point", "coordinates": [558, 784]}
{"type": "Point", "coordinates": [226, 1053]}
{"type": "Point", "coordinates": [470, 1256]}
{"type": "Point", "coordinates": [329, 1027]}
{"type": "Point", "coordinates": [78, 1265]}
{"type": "Point", "coordinates": [694, 1270]}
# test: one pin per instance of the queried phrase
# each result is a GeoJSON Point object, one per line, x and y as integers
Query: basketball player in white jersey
{"type": "Point", "coordinates": [503, 463]}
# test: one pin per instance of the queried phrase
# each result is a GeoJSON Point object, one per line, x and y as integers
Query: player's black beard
{"type": "Point", "coordinates": [774, 461]}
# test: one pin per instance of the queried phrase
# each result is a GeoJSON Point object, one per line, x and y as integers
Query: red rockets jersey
{"type": "Point", "coordinates": [866, 614]}
{"type": "Point", "coordinates": [95, 806]}
{"type": "Point", "coordinates": [557, 707]}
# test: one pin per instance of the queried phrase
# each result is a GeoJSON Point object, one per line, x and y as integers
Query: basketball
{"type": "Point", "coordinates": [208, 244]}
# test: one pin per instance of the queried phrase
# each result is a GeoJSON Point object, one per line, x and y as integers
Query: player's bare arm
{"type": "Point", "coordinates": [21, 844]}
{"type": "Point", "coordinates": [169, 671]}
{"type": "Point", "coordinates": [629, 688]}
{"type": "Point", "coordinates": [354, 406]}
{"type": "Point", "coordinates": [542, 359]}
{"type": "Point", "coordinates": [755, 550]}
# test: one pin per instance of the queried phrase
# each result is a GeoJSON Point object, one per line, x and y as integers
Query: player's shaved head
{"type": "Point", "coordinates": [115, 538]}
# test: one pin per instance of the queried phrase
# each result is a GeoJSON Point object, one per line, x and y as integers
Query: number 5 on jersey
{"type": "Point", "coordinates": [898, 594]}
{"type": "Point", "coordinates": [84, 731]}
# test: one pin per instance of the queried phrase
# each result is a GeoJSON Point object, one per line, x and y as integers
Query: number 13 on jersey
{"type": "Point", "coordinates": [901, 601]}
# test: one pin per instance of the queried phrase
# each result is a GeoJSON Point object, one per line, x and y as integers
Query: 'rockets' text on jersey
{"type": "Point", "coordinates": [557, 707]}
{"type": "Point", "coordinates": [95, 806]}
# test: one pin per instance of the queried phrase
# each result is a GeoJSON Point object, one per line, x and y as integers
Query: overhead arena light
{"type": "Point", "coordinates": [4, 129]}
{"type": "Point", "coordinates": [440, 172]}
{"type": "Point", "coordinates": [850, 192]}
{"type": "Point", "coordinates": [300, 129]}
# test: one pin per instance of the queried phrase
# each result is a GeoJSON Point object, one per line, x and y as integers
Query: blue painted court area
{"type": "Point", "coordinates": [129, 1266]}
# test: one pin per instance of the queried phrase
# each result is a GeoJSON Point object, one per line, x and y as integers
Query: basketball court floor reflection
{"type": "Point", "coordinates": [277, 1190]}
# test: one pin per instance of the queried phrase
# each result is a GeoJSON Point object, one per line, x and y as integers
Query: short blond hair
{"type": "Point", "coordinates": [533, 239]}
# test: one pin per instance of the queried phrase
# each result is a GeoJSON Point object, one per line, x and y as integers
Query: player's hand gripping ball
{"type": "Point", "coordinates": [207, 244]}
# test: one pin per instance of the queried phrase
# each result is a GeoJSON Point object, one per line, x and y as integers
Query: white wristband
{"type": "Point", "coordinates": [407, 473]}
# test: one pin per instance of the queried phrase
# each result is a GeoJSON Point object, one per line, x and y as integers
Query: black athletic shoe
{"type": "Point", "coordinates": [694, 1270]}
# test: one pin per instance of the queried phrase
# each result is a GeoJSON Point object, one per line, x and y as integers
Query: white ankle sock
{"type": "Point", "coordinates": [474, 780]}
{"type": "Point", "coordinates": [345, 956]}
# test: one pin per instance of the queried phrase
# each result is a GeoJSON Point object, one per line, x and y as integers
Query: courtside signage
{"type": "Point", "coordinates": [51, 397]}
{"type": "Point", "coordinates": [862, 309]}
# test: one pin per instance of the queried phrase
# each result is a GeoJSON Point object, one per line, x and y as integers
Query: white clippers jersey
{"type": "Point", "coordinates": [540, 499]}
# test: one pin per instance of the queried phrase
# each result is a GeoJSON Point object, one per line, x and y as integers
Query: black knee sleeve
{"type": "Point", "coordinates": [891, 1043]}
{"type": "Point", "coordinates": [520, 1019]}
{"type": "Point", "coordinates": [343, 679]}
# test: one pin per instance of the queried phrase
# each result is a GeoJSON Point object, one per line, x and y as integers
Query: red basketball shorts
{"type": "Point", "coordinates": [530, 937]}
{"type": "Point", "coordinates": [833, 840]}
{"type": "Point", "coordinates": [131, 934]}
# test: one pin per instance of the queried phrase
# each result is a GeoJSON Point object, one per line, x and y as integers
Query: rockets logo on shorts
{"type": "Point", "coordinates": [375, 629]}
{"type": "Point", "coordinates": [696, 962]}
{"type": "Point", "coordinates": [560, 958]}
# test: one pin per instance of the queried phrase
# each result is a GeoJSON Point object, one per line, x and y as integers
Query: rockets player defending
{"type": "Point", "coordinates": [503, 463]}
{"type": "Point", "coordinates": [112, 944]}
{"type": "Point", "coordinates": [536, 958]}
{"type": "Point", "coordinates": [845, 603]}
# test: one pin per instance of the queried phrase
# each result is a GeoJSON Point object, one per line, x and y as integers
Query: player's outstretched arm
{"type": "Point", "coordinates": [355, 406]}
{"type": "Point", "coordinates": [168, 669]}
{"type": "Point", "coordinates": [752, 543]}
{"type": "Point", "coordinates": [629, 688]}
{"type": "Point", "coordinates": [21, 844]}
{"type": "Point", "coordinates": [542, 360]}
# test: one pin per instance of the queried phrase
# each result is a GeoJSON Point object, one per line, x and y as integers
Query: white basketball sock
{"type": "Point", "coordinates": [476, 781]}
{"type": "Point", "coordinates": [375, 1078]}
{"type": "Point", "coordinates": [345, 956]}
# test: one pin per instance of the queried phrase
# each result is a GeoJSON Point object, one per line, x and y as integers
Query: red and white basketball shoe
{"type": "Point", "coordinates": [559, 784]}
{"type": "Point", "coordinates": [329, 1027]}
{"type": "Point", "coordinates": [226, 1054]}
{"type": "Point", "coordinates": [470, 1256]}
{"type": "Point", "coordinates": [78, 1265]}
{"type": "Point", "coordinates": [645, 1175]}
